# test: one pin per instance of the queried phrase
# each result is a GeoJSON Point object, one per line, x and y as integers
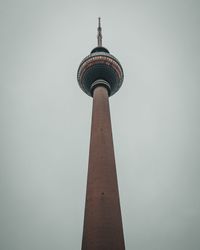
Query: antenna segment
{"type": "Point", "coordinates": [99, 34]}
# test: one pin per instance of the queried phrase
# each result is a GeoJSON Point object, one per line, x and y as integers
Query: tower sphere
{"type": "Point", "coordinates": [100, 68]}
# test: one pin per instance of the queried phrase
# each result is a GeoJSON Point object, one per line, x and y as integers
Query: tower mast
{"type": "Point", "coordinates": [99, 35]}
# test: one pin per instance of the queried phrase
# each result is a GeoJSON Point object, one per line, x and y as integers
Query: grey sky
{"type": "Point", "coordinates": [45, 121]}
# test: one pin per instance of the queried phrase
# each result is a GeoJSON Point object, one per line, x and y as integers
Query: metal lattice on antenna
{"type": "Point", "coordinates": [99, 34]}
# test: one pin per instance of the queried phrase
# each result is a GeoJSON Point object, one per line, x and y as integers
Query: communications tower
{"type": "Point", "coordinates": [100, 75]}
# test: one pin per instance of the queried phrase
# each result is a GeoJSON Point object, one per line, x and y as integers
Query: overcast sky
{"type": "Point", "coordinates": [45, 121]}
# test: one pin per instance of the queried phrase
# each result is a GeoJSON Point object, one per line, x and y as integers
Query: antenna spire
{"type": "Point", "coordinates": [99, 34]}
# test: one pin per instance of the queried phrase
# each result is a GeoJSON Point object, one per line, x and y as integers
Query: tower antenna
{"type": "Point", "coordinates": [99, 34]}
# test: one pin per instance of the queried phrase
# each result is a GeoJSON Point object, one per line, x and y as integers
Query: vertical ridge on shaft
{"type": "Point", "coordinates": [102, 222]}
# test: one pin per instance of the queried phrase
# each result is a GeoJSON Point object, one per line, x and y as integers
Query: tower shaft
{"type": "Point", "coordinates": [102, 222]}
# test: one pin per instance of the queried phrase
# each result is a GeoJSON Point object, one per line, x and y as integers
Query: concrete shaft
{"type": "Point", "coordinates": [102, 222]}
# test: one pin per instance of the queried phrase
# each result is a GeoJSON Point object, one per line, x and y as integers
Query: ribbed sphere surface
{"type": "Point", "coordinates": [100, 65]}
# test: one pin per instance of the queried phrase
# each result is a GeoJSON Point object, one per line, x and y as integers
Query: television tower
{"type": "Point", "coordinates": [100, 75]}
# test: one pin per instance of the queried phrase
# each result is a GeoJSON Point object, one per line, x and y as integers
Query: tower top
{"type": "Point", "coordinates": [99, 34]}
{"type": "Point", "coordinates": [100, 68]}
